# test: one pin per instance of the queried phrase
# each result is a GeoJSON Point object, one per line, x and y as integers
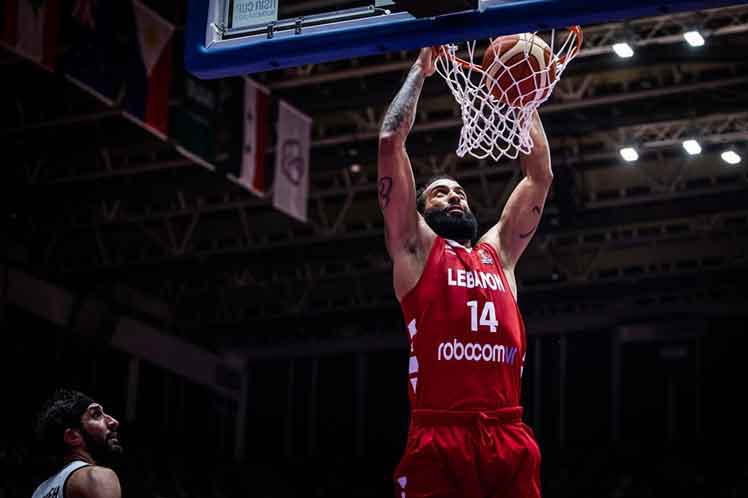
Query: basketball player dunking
{"type": "Point", "coordinates": [75, 429]}
{"type": "Point", "coordinates": [467, 338]}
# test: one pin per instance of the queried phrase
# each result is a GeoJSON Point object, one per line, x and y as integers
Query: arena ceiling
{"type": "Point", "coordinates": [96, 202]}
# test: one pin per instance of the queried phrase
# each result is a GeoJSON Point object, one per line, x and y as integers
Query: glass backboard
{"type": "Point", "coordinates": [234, 37]}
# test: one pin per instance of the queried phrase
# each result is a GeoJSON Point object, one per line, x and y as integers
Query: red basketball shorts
{"type": "Point", "coordinates": [469, 455]}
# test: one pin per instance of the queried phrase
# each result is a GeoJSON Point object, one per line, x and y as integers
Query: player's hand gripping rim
{"type": "Point", "coordinates": [427, 60]}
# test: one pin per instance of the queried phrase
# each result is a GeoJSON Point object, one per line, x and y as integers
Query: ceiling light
{"type": "Point", "coordinates": [694, 38]}
{"type": "Point", "coordinates": [692, 147]}
{"type": "Point", "coordinates": [731, 157]}
{"type": "Point", "coordinates": [355, 168]}
{"type": "Point", "coordinates": [623, 50]}
{"type": "Point", "coordinates": [628, 154]}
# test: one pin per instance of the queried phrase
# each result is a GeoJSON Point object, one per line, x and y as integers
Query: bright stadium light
{"type": "Point", "coordinates": [692, 147]}
{"type": "Point", "coordinates": [628, 154]}
{"type": "Point", "coordinates": [623, 50]}
{"type": "Point", "coordinates": [731, 157]}
{"type": "Point", "coordinates": [694, 38]}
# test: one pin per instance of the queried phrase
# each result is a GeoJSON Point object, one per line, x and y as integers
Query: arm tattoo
{"type": "Point", "coordinates": [385, 187]}
{"type": "Point", "coordinates": [525, 235]}
{"type": "Point", "coordinates": [402, 109]}
{"type": "Point", "coordinates": [535, 209]}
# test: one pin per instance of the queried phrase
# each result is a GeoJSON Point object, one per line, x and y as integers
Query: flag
{"type": "Point", "coordinates": [193, 123]}
{"type": "Point", "coordinates": [291, 184]}
{"type": "Point", "coordinates": [148, 81]}
{"type": "Point", "coordinates": [30, 27]}
{"type": "Point", "coordinates": [256, 119]}
{"type": "Point", "coordinates": [100, 52]}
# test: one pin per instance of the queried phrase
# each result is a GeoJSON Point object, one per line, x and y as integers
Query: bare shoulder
{"type": "Point", "coordinates": [408, 265]}
{"type": "Point", "coordinates": [93, 482]}
{"type": "Point", "coordinates": [492, 239]}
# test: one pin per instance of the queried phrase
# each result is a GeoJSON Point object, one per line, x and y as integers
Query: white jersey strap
{"type": "Point", "coordinates": [54, 487]}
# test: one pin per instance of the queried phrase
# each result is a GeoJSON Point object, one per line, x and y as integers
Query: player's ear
{"type": "Point", "coordinates": [72, 437]}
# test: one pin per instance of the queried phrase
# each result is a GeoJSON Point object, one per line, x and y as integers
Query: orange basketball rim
{"type": "Point", "coordinates": [561, 59]}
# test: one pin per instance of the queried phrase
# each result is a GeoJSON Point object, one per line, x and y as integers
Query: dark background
{"type": "Point", "coordinates": [632, 289]}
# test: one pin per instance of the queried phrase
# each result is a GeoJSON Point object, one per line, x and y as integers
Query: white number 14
{"type": "Point", "coordinates": [487, 316]}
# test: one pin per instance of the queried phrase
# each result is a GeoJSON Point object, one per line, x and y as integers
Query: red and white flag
{"type": "Point", "coordinates": [256, 116]}
{"type": "Point", "coordinates": [291, 182]}
{"type": "Point", "coordinates": [29, 28]}
{"type": "Point", "coordinates": [149, 103]}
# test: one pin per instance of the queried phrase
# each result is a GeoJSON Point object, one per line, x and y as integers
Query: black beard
{"type": "Point", "coordinates": [456, 228]}
{"type": "Point", "coordinates": [101, 452]}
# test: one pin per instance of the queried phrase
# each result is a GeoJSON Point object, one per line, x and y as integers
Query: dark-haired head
{"type": "Point", "coordinates": [71, 422]}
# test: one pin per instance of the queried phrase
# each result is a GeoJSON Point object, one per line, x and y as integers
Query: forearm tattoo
{"type": "Point", "coordinates": [385, 187]}
{"type": "Point", "coordinates": [400, 115]}
{"type": "Point", "coordinates": [536, 210]}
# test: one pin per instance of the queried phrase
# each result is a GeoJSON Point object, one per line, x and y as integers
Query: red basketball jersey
{"type": "Point", "coordinates": [467, 337]}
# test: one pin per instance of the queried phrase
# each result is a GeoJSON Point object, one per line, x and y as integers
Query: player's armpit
{"type": "Point", "coordinates": [93, 482]}
{"type": "Point", "coordinates": [521, 218]}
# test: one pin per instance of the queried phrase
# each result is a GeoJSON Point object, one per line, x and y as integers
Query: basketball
{"type": "Point", "coordinates": [521, 68]}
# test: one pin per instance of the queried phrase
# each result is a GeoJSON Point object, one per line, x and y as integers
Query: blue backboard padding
{"type": "Point", "coordinates": [387, 36]}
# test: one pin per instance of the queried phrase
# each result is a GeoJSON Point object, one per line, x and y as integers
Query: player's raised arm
{"type": "Point", "coordinates": [523, 210]}
{"type": "Point", "coordinates": [407, 236]}
{"type": "Point", "coordinates": [397, 191]}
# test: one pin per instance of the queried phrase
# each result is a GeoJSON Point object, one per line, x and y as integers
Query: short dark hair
{"type": "Point", "coordinates": [421, 192]}
{"type": "Point", "coordinates": [63, 410]}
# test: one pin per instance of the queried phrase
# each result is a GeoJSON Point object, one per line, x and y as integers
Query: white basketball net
{"type": "Point", "coordinates": [500, 127]}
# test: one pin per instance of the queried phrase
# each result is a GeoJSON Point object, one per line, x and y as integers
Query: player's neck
{"type": "Point", "coordinates": [463, 243]}
{"type": "Point", "coordinates": [79, 454]}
